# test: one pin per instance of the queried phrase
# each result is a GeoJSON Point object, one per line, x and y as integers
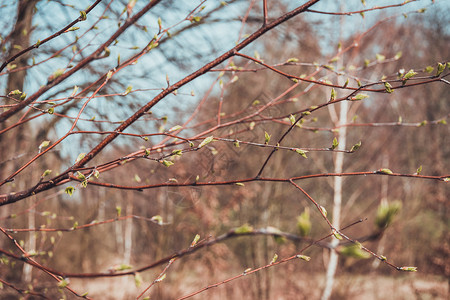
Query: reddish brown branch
{"type": "Point", "coordinates": [22, 291]}
{"type": "Point", "coordinates": [6, 199]}
{"type": "Point", "coordinates": [28, 259]}
{"type": "Point", "coordinates": [5, 115]}
{"type": "Point", "coordinates": [40, 43]}
{"type": "Point", "coordinates": [248, 272]}
{"type": "Point", "coordinates": [209, 242]}
{"type": "Point", "coordinates": [359, 11]}
{"type": "Point", "coordinates": [253, 179]}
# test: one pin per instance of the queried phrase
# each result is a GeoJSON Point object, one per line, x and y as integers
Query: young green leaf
{"type": "Point", "coordinates": [175, 128]}
{"type": "Point", "coordinates": [440, 69]}
{"type": "Point", "coordinates": [301, 152]}
{"type": "Point", "coordinates": [323, 210]}
{"type": "Point", "coordinates": [429, 69]}
{"type": "Point", "coordinates": [137, 279]}
{"type": "Point", "coordinates": [83, 16]}
{"type": "Point", "coordinates": [240, 184]}
{"type": "Point", "coordinates": [69, 190]}
{"type": "Point", "coordinates": [159, 23]}
{"type": "Point", "coordinates": [122, 267]}
{"type": "Point", "coordinates": [128, 90]}
{"type": "Point", "coordinates": [81, 176]}
{"type": "Point", "coordinates": [80, 157]}
{"type": "Point", "coordinates": [423, 123]}
{"type": "Point", "coordinates": [388, 87]}
{"type": "Point", "coordinates": [354, 251]}
{"type": "Point", "coordinates": [356, 147]}
{"type": "Point", "coordinates": [337, 235]}
{"type": "Point", "coordinates": [46, 172]}
{"type": "Point", "coordinates": [419, 169]}
{"type": "Point", "coordinates": [304, 223]}
{"type": "Point", "coordinates": [345, 84]}
{"type": "Point", "coordinates": [408, 75]}
{"type": "Point", "coordinates": [292, 119]}
{"type": "Point", "coordinates": [167, 163]}
{"type": "Point", "coordinates": [274, 258]}
{"type": "Point", "coordinates": [118, 211]}
{"type": "Point", "coordinates": [385, 171]}
{"type": "Point", "coordinates": [333, 95]}
{"type": "Point", "coordinates": [304, 257]}
{"type": "Point", "coordinates": [177, 152]}
{"type": "Point", "coordinates": [137, 178]}
{"type": "Point", "coordinates": [266, 137]}
{"type": "Point", "coordinates": [206, 141]}
{"type": "Point", "coordinates": [408, 269]}
{"type": "Point", "coordinates": [334, 144]}
{"type": "Point", "coordinates": [359, 97]}
{"type": "Point", "coordinates": [14, 93]}
{"type": "Point", "coordinates": [161, 278]}
{"type": "Point", "coordinates": [72, 29]}
{"type": "Point", "coordinates": [153, 45]}
{"type": "Point", "coordinates": [55, 74]}
{"type": "Point", "coordinates": [196, 239]}
{"type": "Point", "coordinates": [43, 145]}
{"type": "Point", "coordinates": [244, 229]}
{"type": "Point", "coordinates": [386, 213]}
{"type": "Point", "coordinates": [380, 57]}
{"type": "Point", "coordinates": [280, 240]}
{"type": "Point", "coordinates": [11, 66]}
{"type": "Point", "coordinates": [63, 283]}
{"type": "Point", "coordinates": [158, 219]}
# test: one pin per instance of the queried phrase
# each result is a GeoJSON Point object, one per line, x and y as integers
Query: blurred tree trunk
{"type": "Point", "coordinates": [337, 196]}
{"type": "Point", "coordinates": [19, 40]}
{"type": "Point", "coordinates": [337, 199]}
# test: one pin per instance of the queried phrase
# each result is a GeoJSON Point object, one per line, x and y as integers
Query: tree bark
{"type": "Point", "coordinates": [19, 39]}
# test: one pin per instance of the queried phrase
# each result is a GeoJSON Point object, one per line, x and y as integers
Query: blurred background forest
{"type": "Point", "coordinates": [239, 102]}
